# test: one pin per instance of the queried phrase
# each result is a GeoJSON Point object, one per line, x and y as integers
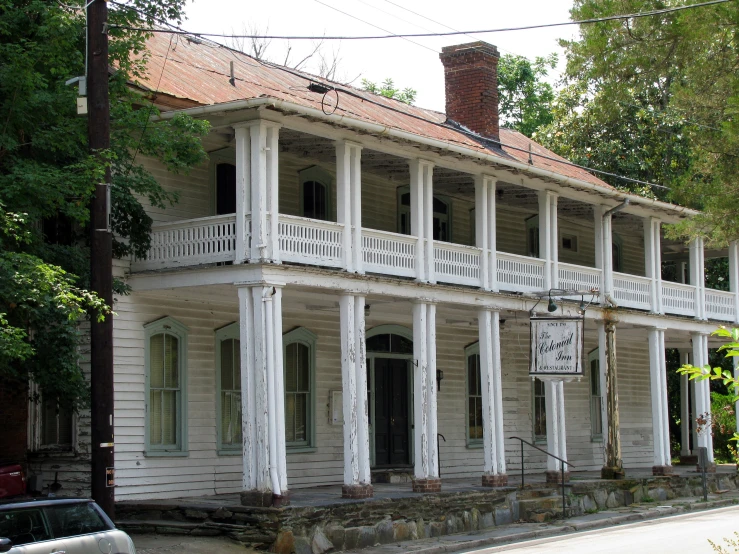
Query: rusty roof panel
{"type": "Point", "coordinates": [199, 70]}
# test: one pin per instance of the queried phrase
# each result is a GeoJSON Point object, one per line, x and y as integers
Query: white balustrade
{"type": "Point", "coordinates": [632, 291]}
{"type": "Point", "coordinates": [191, 242]}
{"type": "Point", "coordinates": [311, 241]}
{"type": "Point", "coordinates": [678, 298]}
{"type": "Point", "coordinates": [720, 305]}
{"type": "Point", "coordinates": [520, 273]}
{"type": "Point", "coordinates": [388, 253]}
{"type": "Point", "coordinates": [457, 264]}
{"type": "Point", "coordinates": [575, 277]}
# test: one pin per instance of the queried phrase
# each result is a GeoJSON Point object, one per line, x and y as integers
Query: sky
{"type": "Point", "coordinates": [410, 63]}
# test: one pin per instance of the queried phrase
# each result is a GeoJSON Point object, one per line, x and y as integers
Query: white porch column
{"type": "Point", "coordinates": [260, 176]}
{"type": "Point", "coordinates": [660, 418]}
{"type": "Point", "coordinates": [603, 249]}
{"type": "Point", "coordinates": [698, 276]}
{"type": "Point", "coordinates": [653, 261]}
{"type": "Point", "coordinates": [357, 481]}
{"type": "Point", "coordinates": [422, 218]}
{"type": "Point", "coordinates": [349, 202]}
{"type": "Point", "coordinates": [243, 193]}
{"type": "Point", "coordinates": [485, 230]}
{"type": "Point", "coordinates": [494, 471]}
{"type": "Point", "coordinates": [548, 237]}
{"type": "Point", "coordinates": [702, 394]}
{"type": "Point", "coordinates": [734, 277]}
{"type": "Point", "coordinates": [685, 423]}
{"type": "Point", "coordinates": [262, 396]}
{"type": "Point", "coordinates": [426, 472]}
{"type": "Point", "coordinates": [556, 431]}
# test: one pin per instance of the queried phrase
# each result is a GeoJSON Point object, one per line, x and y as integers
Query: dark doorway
{"type": "Point", "coordinates": [225, 189]}
{"type": "Point", "coordinates": [391, 412]}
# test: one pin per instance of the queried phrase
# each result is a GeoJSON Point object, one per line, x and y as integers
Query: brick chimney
{"type": "Point", "coordinates": [471, 86]}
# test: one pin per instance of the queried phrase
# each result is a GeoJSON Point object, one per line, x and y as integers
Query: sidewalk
{"type": "Point", "coordinates": [517, 532]}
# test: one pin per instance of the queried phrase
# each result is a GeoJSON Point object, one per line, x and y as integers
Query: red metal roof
{"type": "Point", "coordinates": [200, 71]}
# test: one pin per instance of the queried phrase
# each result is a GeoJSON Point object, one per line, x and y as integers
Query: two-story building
{"type": "Point", "coordinates": [351, 278]}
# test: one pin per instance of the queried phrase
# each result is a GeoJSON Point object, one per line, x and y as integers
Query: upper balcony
{"type": "Point", "coordinates": [315, 185]}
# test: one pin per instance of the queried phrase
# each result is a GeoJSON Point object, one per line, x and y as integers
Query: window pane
{"type": "Point", "coordinates": [301, 417]}
{"type": "Point", "coordinates": [596, 415]}
{"type": "Point", "coordinates": [155, 417]}
{"type": "Point", "coordinates": [400, 345]}
{"type": "Point", "coordinates": [169, 417]}
{"type": "Point", "coordinates": [440, 207]}
{"type": "Point", "coordinates": [227, 365]}
{"type": "Point", "coordinates": [23, 526]}
{"type": "Point", "coordinates": [231, 418]}
{"type": "Point", "coordinates": [320, 194]}
{"type": "Point", "coordinates": [475, 418]}
{"type": "Point", "coordinates": [225, 189]}
{"type": "Point", "coordinates": [595, 378]}
{"type": "Point", "coordinates": [64, 418]}
{"type": "Point", "coordinates": [156, 361]}
{"type": "Point", "coordinates": [75, 519]}
{"type": "Point", "coordinates": [48, 423]}
{"type": "Point", "coordinates": [379, 343]}
{"type": "Point", "coordinates": [171, 370]}
{"type": "Point", "coordinates": [405, 199]}
{"type": "Point", "coordinates": [237, 364]}
{"type": "Point", "coordinates": [309, 199]}
{"type": "Point", "coordinates": [303, 368]}
{"type": "Point", "coordinates": [291, 367]}
{"type": "Point", "coordinates": [472, 375]}
{"type": "Point", "coordinates": [290, 418]}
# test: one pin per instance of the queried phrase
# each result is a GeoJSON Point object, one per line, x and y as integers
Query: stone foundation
{"type": "Point", "coordinates": [556, 476]}
{"type": "Point", "coordinates": [495, 480]}
{"type": "Point", "coordinates": [427, 485]}
{"type": "Point", "coordinates": [662, 470]}
{"type": "Point", "coordinates": [260, 499]}
{"type": "Point", "coordinates": [710, 468]}
{"type": "Point", "coordinates": [357, 491]}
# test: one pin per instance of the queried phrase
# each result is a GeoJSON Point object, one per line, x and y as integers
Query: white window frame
{"type": "Point", "coordinates": [316, 174]}
{"type": "Point", "coordinates": [302, 336]}
{"type": "Point", "coordinates": [171, 326]}
{"type": "Point", "coordinates": [229, 332]}
{"type": "Point", "coordinates": [35, 425]}
{"type": "Point", "coordinates": [472, 350]}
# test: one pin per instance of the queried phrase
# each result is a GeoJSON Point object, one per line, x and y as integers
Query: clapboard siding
{"type": "Point", "coordinates": [203, 471]}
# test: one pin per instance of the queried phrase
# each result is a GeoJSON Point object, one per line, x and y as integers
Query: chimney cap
{"type": "Point", "coordinates": [469, 47]}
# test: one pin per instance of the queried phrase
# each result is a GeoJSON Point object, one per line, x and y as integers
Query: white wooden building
{"type": "Point", "coordinates": [339, 285]}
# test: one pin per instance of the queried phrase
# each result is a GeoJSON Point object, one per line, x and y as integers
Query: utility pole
{"type": "Point", "coordinates": [101, 262]}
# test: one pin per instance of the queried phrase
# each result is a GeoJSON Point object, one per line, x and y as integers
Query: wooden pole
{"type": "Point", "coordinates": [613, 464]}
{"type": "Point", "coordinates": [101, 265]}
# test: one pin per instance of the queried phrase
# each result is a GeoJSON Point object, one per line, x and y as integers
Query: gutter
{"type": "Point", "coordinates": [435, 143]}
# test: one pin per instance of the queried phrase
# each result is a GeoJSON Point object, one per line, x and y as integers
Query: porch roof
{"type": "Point", "coordinates": [193, 72]}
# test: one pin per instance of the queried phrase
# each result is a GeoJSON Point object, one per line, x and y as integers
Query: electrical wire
{"type": "Point", "coordinates": [619, 17]}
{"type": "Point", "coordinates": [375, 26]}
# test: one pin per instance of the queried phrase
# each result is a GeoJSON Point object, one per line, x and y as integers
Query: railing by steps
{"type": "Point", "coordinates": [210, 240]}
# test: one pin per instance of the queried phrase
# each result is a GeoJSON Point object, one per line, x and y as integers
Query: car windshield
{"type": "Point", "coordinates": [24, 526]}
{"type": "Point", "coordinates": [68, 520]}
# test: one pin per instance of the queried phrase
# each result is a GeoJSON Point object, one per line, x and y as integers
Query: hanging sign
{"type": "Point", "coordinates": [556, 347]}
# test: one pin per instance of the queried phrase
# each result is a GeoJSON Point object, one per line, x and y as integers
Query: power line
{"type": "Point", "coordinates": [373, 25]}
{"type": "Point", "coordinates": [420, 35]}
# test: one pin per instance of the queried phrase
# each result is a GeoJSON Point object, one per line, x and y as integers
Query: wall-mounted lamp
{"type": "Point", "coordinates": [366, 310]}
{"type": "Point", "coordinates": [439, 378]}
{"type": "Point", "coordinates": [552, 307]}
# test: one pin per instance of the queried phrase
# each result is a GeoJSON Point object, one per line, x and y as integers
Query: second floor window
{"type": "Point", "coordinates": [315, 193]}
{"type": "Point", "coordinates": [617, 253]}
{"type": "Point", "coordinates": [532, 236]}
{"type": "Point", "coordinates": [225, 189]}
{"type": "Point", "coordinates": [442, 216]}
{"type": "Point", "coordinates": [540, 412]}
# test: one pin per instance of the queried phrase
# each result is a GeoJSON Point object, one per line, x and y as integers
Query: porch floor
{"type": "Point", "coordinates": [330, 495]}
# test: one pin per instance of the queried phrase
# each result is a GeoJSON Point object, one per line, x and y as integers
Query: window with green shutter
{"type": "Point", "coordinates": [166, 348]}
{"type": "Point", "coordinates": [299, 362]}
{"type": "Point", "coordinates": [228, 372]}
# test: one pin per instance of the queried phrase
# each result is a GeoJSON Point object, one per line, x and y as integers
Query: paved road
{"type": "Point", "coordinates": [686, 533]}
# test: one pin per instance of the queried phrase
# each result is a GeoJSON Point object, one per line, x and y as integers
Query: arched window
{"type": "Point", "coordinates": [225, 188]}
{"type": "Point", "coordinates": [617, 249]}
{"type": "Point", "coordinates": [166, 387]}
{"type": "Point", "coordinates": [474, 396]}
{"type": "Point", "coordinates": [442, 215]}
{"type": "Point", "coordinates": [315, 184]}
{"type": "Point", "coordinates": [228, 382]}
{"type": "Point", "coordinates": [532, 236]}
{"type": "Point", "coordinates": [299, 361]}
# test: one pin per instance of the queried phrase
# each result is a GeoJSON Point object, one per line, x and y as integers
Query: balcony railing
{"type": "Point", "coordinates": [210, 240]}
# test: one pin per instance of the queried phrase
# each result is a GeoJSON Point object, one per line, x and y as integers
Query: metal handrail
{"type": "Point", "coordinates": [564, 506]}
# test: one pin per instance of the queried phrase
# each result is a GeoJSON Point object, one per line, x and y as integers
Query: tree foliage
{"type": "Point", "coordinates": [663, 91]}
{"type": "Point", "coordinates": [524, 96]}
{"type": "Point", "coordinates": [388, 89]}
{"type": "Point", "coordinates": [47, 177]}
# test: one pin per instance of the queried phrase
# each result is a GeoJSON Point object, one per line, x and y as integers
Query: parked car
{"type": "Point", "coordinates": [61, 525]}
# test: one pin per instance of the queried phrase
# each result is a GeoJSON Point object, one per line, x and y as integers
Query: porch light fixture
{"type": "Point", "coordinates": [366, 310]}
{"type": "Point", "coordinates": [552, 307]}
{"type": "Point", "coordinates": [439, 378]}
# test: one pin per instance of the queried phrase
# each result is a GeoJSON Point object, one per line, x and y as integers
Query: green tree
{"type": "Point", "coordinates": [388, 89]}
{"type": "Point", "coordinates": [524, 96]}
{"type": "Point", "coordinates": [47, 176]}
{"type": "Point", "coordinates": [682, 66]}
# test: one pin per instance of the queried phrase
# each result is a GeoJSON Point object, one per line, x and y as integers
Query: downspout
{"type": "Point", "coordinates": [271, 396]}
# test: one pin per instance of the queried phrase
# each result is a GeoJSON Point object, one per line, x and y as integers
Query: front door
{"type": "Point", "coordinates": [391, 413]}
